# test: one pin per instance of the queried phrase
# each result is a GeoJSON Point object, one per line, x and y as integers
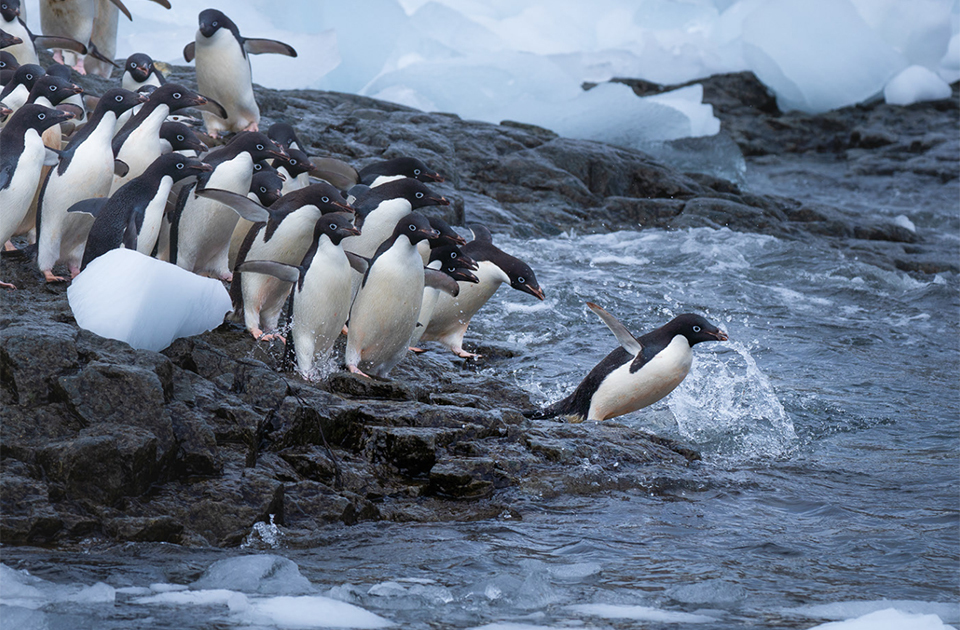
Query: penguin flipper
{"type": "Point", "coordinates": [281, 271]}
{"type": "Point", "coordinates": [624, 336]}
{"type": "Point", "coordinates": [130, 231]}
{"type": "Point", "coordinates": [53, 41]}
{"type": "Point", "coordinates": [89, 206]}
{"type": "Point", "coordinates": [96, 54]}
{"type": "Point", "coordinates": [190, 51]}
{"type": "Point", "coordinates": [120, 168]}
{"type": "Point", "coordinates": [123, 9]}
{"type": "Point", "coordinates": [213, 107]}
{"type": "Point", "coordinates": [440, 281]}
{"type": "Point", "coordinates": [243, 205]}
{"type": "Point", "coordinates": [481, 234]}
{"type": "Point", "coordinates": [262, 46]}
{"type": "Point", "coordinates": [340, 174]}
{"type": "Point", "coordinates": [359, 263]}
{"type": "Point", "coordinates": [163, 3]}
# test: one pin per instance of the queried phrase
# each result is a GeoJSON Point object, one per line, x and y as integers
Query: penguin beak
{"type": "Point", "coordinates": [203, 167]}
{"type": "Point", "coordinates": [75, 89]}
{"type": "Point", "coordinates": [351, 231]}
{"type": "Point", "coordinates": [462, 275]}
{"type": "Point", "coordinates": [345, 206]}
{"type": "Point", "coordinates": [536, 292]}
{"type": "Point", "coordinates": [720, 335]}
{"type": "Point", "coordinates": [143, 98]}
{"type": "Point", "coordinates": [437, 177]}
{"type": "Point", "coordinates": [469, 263]}
{"type": "Point", "coordinates": [4, 112]}
{"type": "Point", "coordinates": [429, 233]}
{"type": "Point", "coordinates": [441, 201]}
{"type": "Point", "coordinates": [458, 240]}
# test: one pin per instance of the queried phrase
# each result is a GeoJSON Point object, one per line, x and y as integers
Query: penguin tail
{"type": "Point", "coordinates": [559, 408]}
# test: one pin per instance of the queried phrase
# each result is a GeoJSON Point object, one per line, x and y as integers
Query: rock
{"type": "Point", "coordinates": [31, 355]}
{"type": "Point", "coordinates": [411, 450]}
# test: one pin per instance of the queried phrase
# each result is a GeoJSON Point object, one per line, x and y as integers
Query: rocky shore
{"type": "Point", "coordinates": [196, 444]}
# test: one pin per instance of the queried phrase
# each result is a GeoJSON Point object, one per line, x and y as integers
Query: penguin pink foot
{"type": "Point", "coordinates": [49, 276]}
{"type": "Point", "coordinates": [7, 285]}
{"type": "Point", "coordinates": [355, 370]}
{"type": "Point", "coordinates": [254, 126]}
{"type": "Point", "coordinates": [463, 354]}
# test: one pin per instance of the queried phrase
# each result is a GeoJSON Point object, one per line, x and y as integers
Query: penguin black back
{"type": "Point", "coordinates": [412, 190]}
{"type": "Point", "coordinates": [405, 166]}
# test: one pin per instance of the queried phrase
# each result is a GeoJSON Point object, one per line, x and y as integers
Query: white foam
{"type": "Point", "coordinates": [639, 613]}
{"type": "Point", "coordinates": [915, 85]}
{"type": "Point", "coordinates": [309, 611]}
{"type": "Point", "coordinates": [888, 619]}
{"type": "Point", "coordinates": [950, 612]}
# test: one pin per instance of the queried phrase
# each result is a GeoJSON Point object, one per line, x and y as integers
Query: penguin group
{"type": "Point", "coordinates": [97, 184]}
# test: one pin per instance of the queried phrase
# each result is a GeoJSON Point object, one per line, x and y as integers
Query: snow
{"type": "Point", "coordinates": [526, 60]}
{"type": "Point", "coordinates": [914, 85]}
{"type": "Point", "coordinates": [309, 611]}
{"type": "Point", "coordinates": [887, 619]}
{"type": "Point", "coordinates": [639, 613]}
{"type": "Point", "coordinates": [145, 302]}
{"type": "Point", "coordinates": [949, 612]}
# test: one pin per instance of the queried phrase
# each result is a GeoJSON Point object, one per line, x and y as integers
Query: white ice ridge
{"type": "Point", "coordinates": [914, 85]}
{"type": "Point", "coordinates": [888, 619]}
{"type": "Point", "coordinates": [143, 301]}
{"type": "Point", "coordinates": [639, 613]}
{"type": "Point", "coordinates": [837, 611]}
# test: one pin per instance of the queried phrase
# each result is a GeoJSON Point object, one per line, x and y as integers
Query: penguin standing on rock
{"type": "Point", "coordinates": [138, 71]}
{"type": "Point", "coordinates": [638, 373]}
{"type": "Point", "coordinates": [452, 314]}
{"type": "Point", "coordinates": [223, 70]}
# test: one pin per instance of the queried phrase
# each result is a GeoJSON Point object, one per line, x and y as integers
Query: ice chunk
{"type": "Point", "coordinates": [817, 55]}
{"type": "Point", "coordinates": [639, 613]}
{"type": "Point", "coordinates": [309, 612]}
{"type": "Point", "coordinates": [267, 574]}
{"type": "Point", "coordinates": [950, 612]}
{"type": "Point", "coordinates": [145, 302]}
{"type": "Point", "coordinates": [27, 591]}
{"type": "Point", "coordinates": [914, 85]}
{"type": "Point", "coordinates": [888, 619]}
{"type": "Point", "coordinates": [950, 63]}
{"type": "Point", "coordinates": [903, 221]}
{"type": "Point", "coordinates": [919, 29]}
{"type": "Point", "coordinates": [212, 597]}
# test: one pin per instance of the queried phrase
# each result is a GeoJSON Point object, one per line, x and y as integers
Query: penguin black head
{"type": "Point", "coordinates": [33, 116]}
{"type": "Point", "coordinates": [324, 196]}
{"type": "Point", "coordinates": [460, 274]}
{"type": "Point", "coordinates": [147, 90]}
{"type": "Point", "coordinates": [119, 100]}
{"type": "Point", "coordinates": [8, 61]}
{"type": "Point", "coordinates": [284, 134]}
{"type": "Point", "coordinates": [296, 162]}
{"type": "Point", "coordinates": [176, 96]}
{"type": "Point", "coordinates": [6, 39]}
{"type": "Point", "coordinates": [405, 166]}
{"type": "Point", "coordinates": [212, 21]}
{"type": "Point", "coordinates": [178, 166]}
{"type": "Point", "coordinates": [54, 88]}
{"type": "Point", "coordinates": [257, 144]}
{"type": "Point", "coordinates": [140, 66]}
{"type": "Point", "coordinates": [181, 137]}
{"type": "Point", "coordinates": [337, 226]}
{"type": "Point", "coordinates": [26, 75]}
{"type": "Point", "coordinates": [413, 191]}
{"type": "Point", "coordinates": [267, 186]}
{"type": "Point", "coordinates": [59, 70]}
{"type": "Point", "coordinates": [415, 227]}
{"type": "Point", "coordinates": [522, 277]}
{"type": "Point", "coordinates": [447, 235]}
{"type": "Point", "coordinates": [695, 328]}
{"type": "Point", "coordinates": [451, 255]}
{"type": "Point", "coordinates": [9, 9]}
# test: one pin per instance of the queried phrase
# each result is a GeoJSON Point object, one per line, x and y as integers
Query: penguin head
{"type": "Point", "coordinates": [181, 137]}
{"type": "Point", "coordinates": [212, 21]}
{"type": "Point", "coordinates": [295, 163]}
{"type": "Point", "coordinates": [258, 145]}
{"type": "Point", "coordinates": [412, 167]}
{"type": "Point", "coordinates": [179, 166]}
{"type": "Point", "coordinates": [337, 226]}
{"type": "Point", "coordinates": [176, 96]}
{"type": "Point", "coordinates": [139, 65]}
{"type": "Point", "coordinates": [267, 186]}
{"type": "Point", "coordinates": [39, 117]}
{"type": "Point", "coordinates": [521, 276]}
{"type": "Point", "coordinates": [447, 235]}
{"type": "Point", "coordinates": [325, 197]}
{"type": "Point", "coordinates": [8, 61]}
{"type": "Point", "coordinates": [10, 10]}
{"type": "Point", "coordinates": [415, 227]}
{"type": "Point", "coordinates": [416, 193]}
{"type": "Point", "coordinates": [695, 328]}
{"type": "Point", "coordinates": [54, 89]}
{"type": "Point", "coordinates": [119, 100]}
{"type": "Point", "coordinates": [59, 70]}
{"type": "Point", "coordinates": [452, 255]}
{"type": "Point", "coordinates": [26, 75]}
{"type": "Point", "coordinates": [460, 274]}
{"type": "Point", "coordinates": [284, 134]}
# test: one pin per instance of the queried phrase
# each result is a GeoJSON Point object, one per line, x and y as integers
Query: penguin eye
{"type": "Point", "coordinates": [180, 165]}
{"type": "Point", "coordinates": [214, 24]}
{"type": "Point", "coordinates": [133, 64]}
{"type": "Point", "coordinates": [419, 195]}
{"type": "Point", "coordinates": [451, 269]}
{"type": "Point", "coordinates": [119, 98]}
{"type": "Point", "coordinates": [179, 137]}
{"type": "Point", "coordinates": [53, 88]}
{"type": "Point", "coordinates": [696, 329]}
{"type": "Point", "coordinates": [263, 190]}
{"type": "Point", "coordinates": [257, 167]}
{"type": "Point", "coordinates": [521, 280]}
{"type": "Point", "coordinates": [453, 255]}
{"type": "Point", "coordinates": [333, 226]}
{"type": "Point", "coordinates": [325, 199]}
{"type": "Point", "coordinates": [259, 147]}
{"type": "Point", "coordinates": [176, 95]}
{"type": "Point", "coordinates": [293, 161]}
{"type": "Point", "coordinates": [412, 227]}
{"type": "Point", "coordinates": [416, 171]}
{"type": "Point", "coordinates": [29, 77]}
{"type": "Point", "coordinates": [41, 116]}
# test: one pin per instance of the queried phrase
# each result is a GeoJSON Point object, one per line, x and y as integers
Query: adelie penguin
{"type": "Point", "coordinates": [131, 216]}
{"type": "Point", "coordinates": [638, 373]}
{"type": "Point", "coordinates": [22, 157]}
{"type": "Point", "coordinates": [320, 301]}
{"type": "Point", "coordinates": [139, 70]}
{"type": "Point", "coordinates": [452, 314]}
{"type": "Point", "coordinates": [26, 51]}
{"type": "Point", "coordinates": [85, 171]}
{"type": "Point", "coordinates": [223, 70]}
{"type": "Point", "coordinates": [387, 306]}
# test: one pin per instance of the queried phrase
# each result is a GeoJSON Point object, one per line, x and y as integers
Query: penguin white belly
{"type": "Point", "coordinates": [141, 147]}
{"type": "Point", "coordinates": [452, 314]}
{"type": "Point", "coordinates": [385, 311]}
{"type": "Point", "coordinates": [129, 83]}
{"type": "Point", "coordinates": [378, 226]}
{"type": "Point", "coordinates": [104, 37]}
{"type": "Point", "coordinates": [205, 225]}
{"type": "Point", "coordinates": [223, 74]}
{"type": "Point", "coordinates": [622, 392]}
{"type": "Point", "coordinates": [25, 51]}
{"type": "Point", "coordinates": [73, 19]}
{"type": "Point", "coordinates": [15, 198]}
{"type": "Point", "coordinates": [321, 307]}
{"type": "Point", "coordinates": [263, 295]}
{"type": "Point", "coordinates": [427, 305]}
{"type": "Point", "coordinates": [152, 216]}
{"type": "Point", "coordinates": [88, 175]}
{"type": "Point", "coordinates": [383, 179]}
{"type": "Point", "coordinates": [16, 98]}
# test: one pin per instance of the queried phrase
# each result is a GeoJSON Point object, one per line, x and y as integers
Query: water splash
{"type": "Point", "coordinates": [263, 536]}
{"type": "Point", "coordinates": [728, 407]}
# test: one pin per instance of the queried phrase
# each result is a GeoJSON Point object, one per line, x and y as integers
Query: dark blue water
{"type": "Point", "coordinates": [830, 480]}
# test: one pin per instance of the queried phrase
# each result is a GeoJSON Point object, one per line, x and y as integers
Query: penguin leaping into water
{"type": "Point", "coordinates": [638, 373]}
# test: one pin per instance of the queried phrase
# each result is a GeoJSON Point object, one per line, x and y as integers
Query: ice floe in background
{"type": "Point", "coordinates": [526, 60]}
